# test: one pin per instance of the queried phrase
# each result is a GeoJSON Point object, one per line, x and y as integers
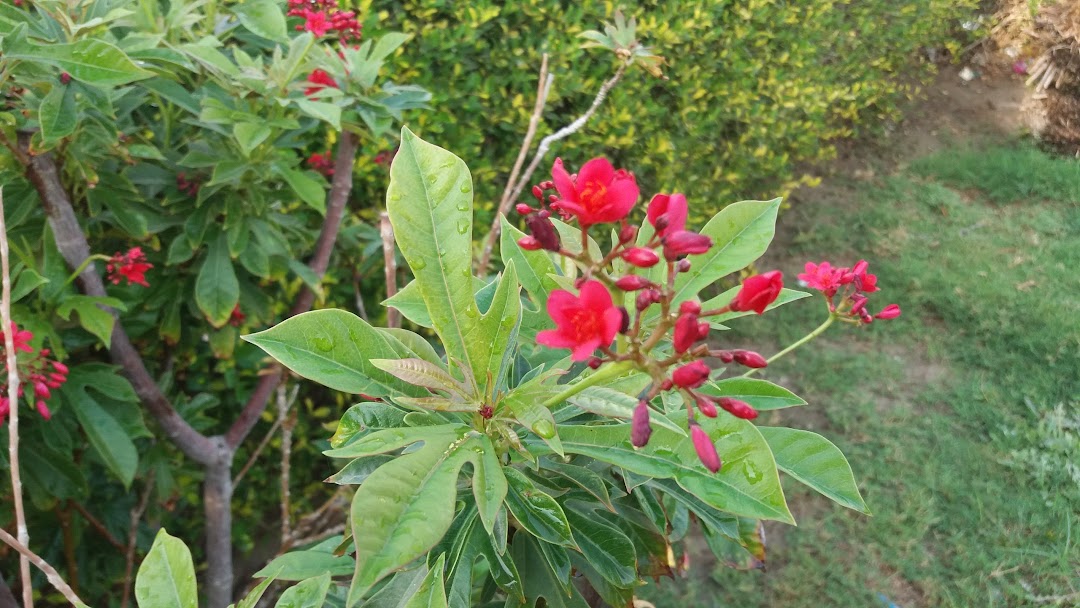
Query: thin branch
{"type": "Point", "coordinates": [258, 450]}
{"type": "Point", "coordinates": [542, 150]}
{"type": "Point", "coordinates": [386, 232]}
{"type": "Point", "coordinates": [543, 87]}
{"type": "Point", "coordinates": [96, 524]}
{"type": "Point", "coordinates": [64, 515]}
{"type": "Point", "coordinates": [50, 573]}
{"type": "Point", "coordinates": [288, 422]}
{"type": "Point", "coordinates": [133, 534]}
{"type": "Point", "coordinates": [13, 407]}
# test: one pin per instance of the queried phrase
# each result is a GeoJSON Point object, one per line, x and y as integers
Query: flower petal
{"type": "Point", "coordinates": [596, 170]}
{"type": "Point", "coordinates": [563, 184]}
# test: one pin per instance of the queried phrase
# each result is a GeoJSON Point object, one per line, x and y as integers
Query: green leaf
{"type": "Point", "coordinates": [761, 394]}
{"type": "Point", "coordinates": [300, 565]}
{"type": "Point", "coordinates": [416, 344]}
{"type": "Point", "coordinates": [432, 592]}
{"type": "Point", "coordinates": [584, 478]}
{"type": "Point", "coordinates": [611, 403]}
{"type": "Point", "coordinates": [166, 578]}
{"type": "Point", "coordinates": [533, 267]}
{"type": "Point", "coordinates": [335, 348]}
{"type": "Point", "coordinates": [264, 18]}
{"type": "Point", "coordinates": [745, 553]}
{"type": "Point", "coordinates": [430, 205]}
{"type": "Point", "coordinates": [49, 474]}
{"type": "Point", "coordinates": [410, 303]}
{"type": "Point", "coordinates": [405, 507]}
{"type": "Point", "coordinates": [741, 232]}
{"type": "Point", "coordinates": [252, 599]}
{"type": "Point", "coordinates": [105, 433]}
{"type": "Point", "coordinates": [538, 580]}
{"type": "Point", "coordinates": [249, 135]}
{"type": "Point", "coordinates": [217, 290]}
{"type": "Point", "coordinates": [746, 485]}
{"type": "Point", "coordinates": [536, 511]}
{"type": "Point", "coordinates": [309, 593]}
{"type": "Point", "coordinates": [607, 549]}
{"type": "Point", "coordinates": [364, 417]}
{"type": "Point", "coordinates": [321, 110]}
{"type": "Point", "coordinates": [496, 331]}
{"type": "Point", "coordinates": [92, 317]}
{"type": "Point", "coordinates": [27, 281]}
{"type": "Point", "coordinates": [816, 462]}
{"type": "Point", "coordinates": [526, 402]}
{"type": "Point", "coordinates": [422, 373]}
{"type": "Point", "coordinates": [90, 60]}
{"type": "Point", "coordinates": [58, 114]}
{"type": "Point", "coordinates": [309, 189]}
{"type": "Point", "coordinates": [358, 470]}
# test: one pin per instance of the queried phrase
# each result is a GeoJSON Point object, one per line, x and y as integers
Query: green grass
{"type": "Point", "coordinates": [982, 252]}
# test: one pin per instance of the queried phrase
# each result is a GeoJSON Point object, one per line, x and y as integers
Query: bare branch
{"type": "Point", "coordinates": [543, 87]}
{"type": "Point", "coordinates": [50, 573]}
{"type": "Point", "coordinates": [13, 405]}
{"type": "Point", "coordinates": [386, 232]}
{"type": "Point", "coordinates": [96, 524]}
{"type": "Point", "coordinates": [288, 421]}
{"type": "Point", "coordinates": [133, 535]}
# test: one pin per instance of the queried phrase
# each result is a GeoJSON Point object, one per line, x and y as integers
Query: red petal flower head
{"type": "Point", "coordinates": [315, 22]}
{"type": "Point", "coordinates": [641, 257]}
{"type": "Point", "coordinates": [889, 312]}
{"type": "Point", "coordinates": [758, 292]}
{"type": "Point", "coordinates": [20, 338]}
{"type": "Point", "coordinates": [582, 323]}
{"type": "Point", "coordinates": [319, 80]}
{"type": "Point", "coordinates": [822, 277]}
{"type": "Point", "coordinates": [685, 242]}
{"type": "Point", "coordinates": [667, 213]}
{"type": "Point", "coordinates": [529, 243]}
{"type": "Point", "coordinates": [598, 194]}
{"type": "Point", "coordinates": [739, 409]}
{"type": "Point", "coordinates": [237, 316]}
{"type": "Point", "coordinates": [691, 375]}
{"type": "Point", "coordinates": [322, 163]}
{"type": "Point", "coordinates": [640, 429]}
{"type": "Point", "coordinates": [706, 451]}
{"type": "Point", "coordinates": [130, 266]}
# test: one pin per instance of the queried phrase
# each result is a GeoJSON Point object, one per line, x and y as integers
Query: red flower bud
{"type": "Point", "coordinates": [685, 242]}
{"type": "Point", "coordinates": [758, 292]}
{"type": "Point", "coordinates": [690, 307]}
{"type": "Point", "coordinates": [703, 330]}
{"type": "Point", "coordinates": [705, 405]}
{"type": "Point", "coordinates": [538, 192]}
{"type": "Point", "coordinates": [523, 209]}
{"type": "Point", "coordinates": [41, 391]}
{"type": "Point", "coordinates": [640, 429]}
{"type": "Point", "coordinates": [543, 231]}
{"type": "Point", "coordinates": [641, 257]}
{"type": "Point", "coordinates": [739, 409]}
{"type": "Point", "coordinates": [632, 282]}
{"type": "Point", "coordinates": [889, 312]}
{"type": "Point", "coordinates": [858, 303]}
{"type": "Point", "coordinates": [528, 243]}
{"type": "Point", "coordinates": [594, 362]}
{"type": "Point", "coordinates": [706, 451]}
{"type": "Point", "coordinates": [725, 356]}
{"type": "Point", "coordinates": [43, 410]}
{"type": "Point", "coordinates": [65, 78]}
{"type": "Point", "coordinates": [749, 358]}
{"type": "Point", "coordinates": [682, 265]}
{"type": "Point", "coordinates": [486, 411]}
{"type": "Point", "coordinates": [60, 367]}
{"type": "Point", "coordinates": [686, 332]}
{"type": "Point", "coordinates": [625, 320]}
{"type": "Point", "coordinates": [691, 375]}
{"type": "Point", "coordinates": [627, 233]}
{"type": "Point", "coordinates": [666, 385]}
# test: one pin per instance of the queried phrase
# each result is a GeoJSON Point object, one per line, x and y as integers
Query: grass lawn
{"type": "Point", "coordinates": [961, 418]}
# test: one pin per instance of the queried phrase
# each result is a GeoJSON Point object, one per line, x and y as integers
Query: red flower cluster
{"type": "Point", "coordinates": [130, 266]}
{"type": "Point", "coordinates": [237, 317]}
{"type": "Point", "coordinates": [41, 373]}
{"type": "Point", "coordinates": [589, 321]}
{"type": "Point", "coordinates": [189, 187]}
{"type": "Point", "coordinates": [319, 80]}
{"type": "Point", "coordinates": [323, 16]}
{"type": "Point", "coordinates": [322, 163]}
{"type": "Point", "coordinates": [854, 283]}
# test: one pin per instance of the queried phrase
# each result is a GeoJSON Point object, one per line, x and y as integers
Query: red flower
{"type": "Point", "coordinates": [583, 323]}
{"type": "Point", "coordinates": [758, 292]}
{"type": "Point", "coordinates": [691, 375]}
{"type": "Point", "coordinates": [131, 266]}
{"type": "Point", "coordinates": [640, 430]}
{"type": "Point", "coordinates": [20, 338]}
{"type": "Point", "coordinates": [706, 451]}
{"type": "Point", "coordinates": [322, 163]}
{"type": "Point", "coordinates": [316, 22]}
{"type": "Point", "coordinates": [889, 312]}
{"type": "Point", "coordinates": [685, 242]}
{"type": "Point", "coordinates": [320, 80]}
{"type": "Point", "coordinates": [237, 316]}
{"type": "Point", "coordinates": [667, 213]}
{"type": "Point", "coordinates": [597, 194]}
{"type": "Point", "coordinates": [822, 277]}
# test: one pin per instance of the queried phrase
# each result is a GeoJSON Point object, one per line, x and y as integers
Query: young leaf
{"type": "Point", "coordinates": [90, 60]}
{"type": "Point", "coordinates": [249, 135]}
{"type": "Point", "coordinates": [300, 565]}
{"type": "Point", "coordinates": [264, 18]}
{"type": "Point", "coordinates": [538, 580]}
{"type": "Point", "coordinates": [606, 549]}
{"type": "Point", "coordinates": [306, 187]}
{"type": "Point", "coordinates": [58, 114]}
{"type": "Point", "coordinates": [217, 290]}
{"type": "Point", "coordinates": [816, 462]}
{"type": "Point", "coordinates": [422, 373]}
{"type": "Point", "coordinates": [761, 394]}
{"type": "Point", "coordinates": [105, 433]}
{"type": "Point", "coordinates": [497, 328]}
{"type": "Point", "coordinates": [309, 593]}
{"type": "Point", "coordinates": [410, 303]}
{"type": "Point", "coordinates": [432, 592]}
{"type": "Point", "coordinates": [166, 578]}
{"type": "Point", "coordinates": [536, 511]}
{"type": "Point", "coordinates": [252, 599]}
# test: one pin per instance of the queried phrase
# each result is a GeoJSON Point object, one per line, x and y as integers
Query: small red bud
{"type": "Point", "coordinates": [552, 198]}
{"type": "Point", "coordinates": [889, 312]}
{"type": "Point", "coordinates": [486, 411]}
{"type": "Point", "coordinates": [706, 451]}
{"type": "Point", "coordinates": [725, 356]}
{"type": "Point", "coordinates": [538, 192]}
{"type": "Point", "coordinates": [43, 410]}
{"type": "Point", "coordinates": [666, 385]}
{"type": "Point", "coordinates": [686, 332]}
{"type": "Point", "coordinates": [625, 325]}
{"type": "Point", "coordinates": [528, 243]}
{"type": "Point", "coordinates": [739, 409]}
{"type": "Point", "coordinates": [594, 363]}
{"type": "Point", "coordinates": [632, 282]}
{"type": "Point", "coordinates": [685, 242]}
{"type": "Point", "coordinates": [640, 429]}
{"type": "Point", "coordinates": [60, 367]}
{"type": "Point", "coordinates": [646, 299]}
{"type": "Point", "coordinates": [523, 209]}
{"type": "Point", "coordinates": [682, 265]}
{"type": "Point", "coordinates": [705, 405]}
{"type": "Point", "coordinates": [627, 234]}
{"type": "Point", "coordinates": [750, 359]}
{"type": "Point", "coordinates": [858, 303]}
{"type": "Point", "coordinates": [641, 257]}
{"type": "Point", "coordinates": [703, 330]}
{"type": "Point", "coordinates": [548, 185]}
{"type": "Point", "coordinates": [691, 375]}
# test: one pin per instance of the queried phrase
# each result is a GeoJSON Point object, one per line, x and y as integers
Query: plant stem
{"type": "Point", "coordinates": [607, 372]}
{"type": "Point", "coordinates": [82, 267]}
{"type": "Point", "coordinates": [808, 337]}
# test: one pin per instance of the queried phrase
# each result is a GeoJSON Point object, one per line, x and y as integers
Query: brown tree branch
{"type": "Point", "coordinates": [288, 422]}
{"type": "Point", "coordinates": [543, 86]}
{"type": "Point", "coordinates": [50, 573]}
{"type": "Point", "coordinates": [386, 233]}
{"type": "Point", "coordinates": [96, 524]}
{"type": "Point", "coordinates": [13, 413]}
{"type": "Point", "coordinates": [133, 534]}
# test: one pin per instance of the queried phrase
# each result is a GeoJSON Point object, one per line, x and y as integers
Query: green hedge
{"type": "Point", "coordinates": [757, 88]}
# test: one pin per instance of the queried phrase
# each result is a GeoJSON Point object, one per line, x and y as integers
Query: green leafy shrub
{"type": "Point", "coordinates": [756, 88]}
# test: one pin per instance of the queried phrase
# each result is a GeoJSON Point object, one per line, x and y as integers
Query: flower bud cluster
{"type": "Point", "coordinates": [846, 290]}
{"type": "Point", "coordinates": [39, 372]}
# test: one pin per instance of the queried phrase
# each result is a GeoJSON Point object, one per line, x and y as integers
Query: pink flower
{"type": "Point", "coordinates": [889, 312]}
{"type": "Point", "coordinates": [705, 449]}
{"type": "Point", "coordinates": [319, 80]}
{"type": "Point", "coordinates": [667, 213]}
{"type": "Point", "coordinates": [758, 292]}
{"type": "Point", "coordinates": [316, 22]}
{"type": "Point", "coordinates": [20, 338]}
{"type": "Point", "coordinates": [237, 316]}
{"type": "Point", "coordinates": [597, 194]}
{"type": "Point", "coordinates": [691, 375]}
{"type": "Point", "coordinates": [822, 277]}
{"type": "Point", "coordinates": [130, 266]}
{"type": "Point", "coordinates": [322, 163]}
{"type": "Point", "coordinates": [582, 323]}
